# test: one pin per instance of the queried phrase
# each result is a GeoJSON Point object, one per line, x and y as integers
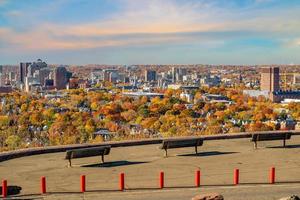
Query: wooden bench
{"type": "Point", "coordinates": [180, 143]}
{"type": "Point", "coordinates": [87, 152]}
{"type": "Point", "coordinates": [270, 136]}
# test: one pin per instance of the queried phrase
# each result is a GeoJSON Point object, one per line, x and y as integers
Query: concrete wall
{"type": "Point", "coordinates": [54, 149]}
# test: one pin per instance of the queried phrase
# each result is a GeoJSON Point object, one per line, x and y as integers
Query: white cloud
{"type": "Point", "coordinates": [154, 22]}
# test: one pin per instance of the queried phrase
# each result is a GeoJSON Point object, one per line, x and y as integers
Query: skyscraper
{"type": "Point", "coordinates": [60, 78]}
{"type": "Point", "coordinates": [35, 66]}
{"type": "Point", "coordinates": [11, 76]}
{"type": "Point", "coordinates": [174, 74]}
{"type": "Point", "coordinates": [270, 79]}
{"type": "Point", "coordinates": [23, 69]}
{"type": "Point", "coordinates": [150, 75]}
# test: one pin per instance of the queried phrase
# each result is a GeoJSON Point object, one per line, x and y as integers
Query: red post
{"type": "Point", "coordinates": [272, 175]}
{"type": "Point", "coordinates": [4, 188]}
{"type": "Point", "coordinates": [161, 180]}
{"type": "Point", "coordinates": [82, 183]}
{"type": "Point", "coordinates": [122, 181]}
{"type": "Point", "coordinates": [43, 184]}
{"type": "Point", "coordinates": [197, 178]}
{"type": "Point", "coordinates": [236, 176]}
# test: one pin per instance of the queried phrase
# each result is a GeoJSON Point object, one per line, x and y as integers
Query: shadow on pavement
{"type": "Point", "coordinates": [113, 164]}
{"type": "Point", "coordinates": [208, 153]}
{"type": "Point", "coordinates": [12, 190]}
{"type": "Point", "coordinates": [286, 147]}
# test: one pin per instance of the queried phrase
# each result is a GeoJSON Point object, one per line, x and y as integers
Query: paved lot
{"type": "Point", "coordinates": [142, 165]}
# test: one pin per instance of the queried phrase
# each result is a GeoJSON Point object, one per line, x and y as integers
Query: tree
{"type": "Point", "coordinates": [4, 121]}
{"type": "Point", "coordinates": [36, 118]}
{"type": "Point", "coordinates": [129, 115]}
{"type": "Point", "coordinates": [90, 126]}
{"type": "Point", "coordinates": [13, 142]}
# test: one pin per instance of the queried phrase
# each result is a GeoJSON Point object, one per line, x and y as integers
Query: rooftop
{"type": "Point", "coordinates": [142, 164]}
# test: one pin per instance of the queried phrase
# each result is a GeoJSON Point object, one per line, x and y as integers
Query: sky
{"type": "Point", "coordinates": [150, 31]}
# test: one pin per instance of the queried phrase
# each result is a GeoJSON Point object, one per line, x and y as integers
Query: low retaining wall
{"type": "Point", "coordinates": [55, 149]}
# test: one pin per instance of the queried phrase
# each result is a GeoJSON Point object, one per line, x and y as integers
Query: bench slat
{"type": "Point", "coordinates": [87, 152]}
{"type": "Point", "coordinates": [268, 136]}
{"type": "Point", "coordinates": [179, 143]}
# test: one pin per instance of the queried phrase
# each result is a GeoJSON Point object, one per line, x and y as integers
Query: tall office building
{"type": "Point", "coordinates": [181, 72]}
{"type": "Point", "coordinates": [35, 66]}
{"type": "Point", "coordinates": [150, 75]}
{"type": "Point", "coordinates": [178, 73]}
{"type": "Point", "coordinates": [60, 77]}
{"type": "Point", "coordinates": [23, 70]}
{"type": "Point", "coordinates": [44, 74]}
{"type": "Point", "coordinates": [11, 76]}
{"type": "Point", "coordinates": [110, 75]}
{"type": "Point", "coordinates": [113, 76]}
{"type": "Point", "coordinates": [175, 71]}
{"type": "Point", "coordinates": [270, 79]}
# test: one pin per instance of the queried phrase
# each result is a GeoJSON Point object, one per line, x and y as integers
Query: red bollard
{"type": "Point", "coordinates": [197, 178]}
{"type": "Point", "coordinates": [82, 183]}
{"type": "Point", "coordinates": [122, 182]}
{"type": "Point", "coordinates": [161, 180]}
{"type": "Point", "coordinates": [272, 175]}
{"type": "Point", "coordinates": [4, 188]}
{"type": "Point", "coordinates": [236, 176]}
{"type": "Point", "coordinates": [43, 184]}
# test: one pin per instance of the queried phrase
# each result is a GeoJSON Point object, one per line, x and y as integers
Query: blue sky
{"type": "Point", "coordinates": [150, 31]}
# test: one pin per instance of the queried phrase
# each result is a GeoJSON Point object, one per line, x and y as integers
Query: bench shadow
{"type": "Point", "coordinates": [114, 164]}
{"type": "Point", "coordinates": [12, 190]}
{"type": "Point", "coordinates": [208, 153]}
{"type": "Point", "coordinates": [293, 146]}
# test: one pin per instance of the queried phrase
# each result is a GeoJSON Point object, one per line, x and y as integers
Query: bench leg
{"type": "Point", "coordinates": [196, 149]}
{"type": "Point", "coordinates": [283, 142]}
{"type": "Point", "coordinates": [102, 158]}
{"type": "Point", "coordinates": [166, 152]}
{"type": "Point", "coordinates": [255, 145]}
{"type": "Point", "coordinates": [70, 163]}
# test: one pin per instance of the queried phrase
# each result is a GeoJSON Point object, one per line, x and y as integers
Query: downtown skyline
{"type": "Point", "coordinates": [150, 32]}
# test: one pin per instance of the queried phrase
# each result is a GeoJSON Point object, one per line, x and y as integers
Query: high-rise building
{"type": "Point", "coordinates": [23, 70]}
{"type": "Point", "coordinates": [181, 72]}
{"type": "Point", "coordinates": [35, 66]}
{"type": "Point", "coordinates": [44, 74]}
{"type": "Point", "coordinates": [150, 75]}
{"type": "Point", "coordinates": [113, 76]}
{"type": "Point", "coordinates": [11, 76]}
{"type": "Point", "coordinates": [60, 77]}
{"type": "Point", "coordinates": [175, 71]}
{"type": "Point", "coordinates": [270, 79]}
{"type": "Point", "coordinates": [110, 75]}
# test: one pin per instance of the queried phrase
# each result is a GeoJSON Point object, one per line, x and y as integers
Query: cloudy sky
{"type": "Point", "coordinates": [150, 31]}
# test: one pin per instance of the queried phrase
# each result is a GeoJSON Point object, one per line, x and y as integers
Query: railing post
{"type": "Point", "coordinates": [122, 181]}
{"type": "Point", "coordinates": [82, 183]}
{"type": "Point", "coordinates": [4, 188]}
{"type": "Point", "coordinates": [272, 175]}
{"type": "Point", "coordinates": [161, 180]}
{"type": "Point", "coordinates": [43, 184]}
{"type": "Point", "coordinates": [236, 176]}
{"type": "Point", "coordinates": [197, 178]}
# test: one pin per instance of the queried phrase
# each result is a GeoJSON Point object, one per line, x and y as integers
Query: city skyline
{"type": "Point", "coordinates": [150, 32]}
